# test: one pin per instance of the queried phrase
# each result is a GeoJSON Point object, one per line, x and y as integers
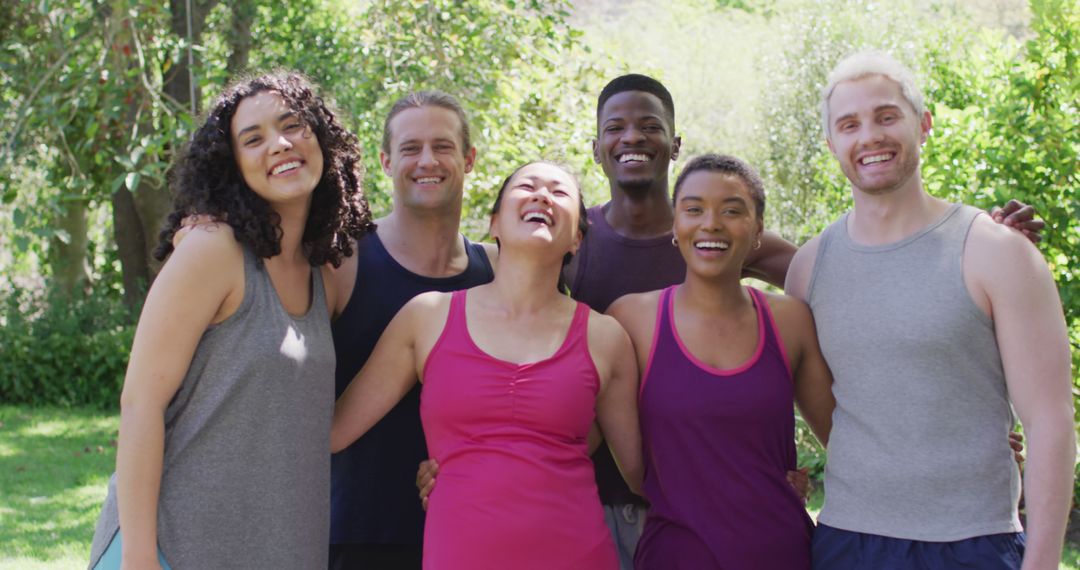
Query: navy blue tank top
{"type": "Point", "coordinates": [373, 494]}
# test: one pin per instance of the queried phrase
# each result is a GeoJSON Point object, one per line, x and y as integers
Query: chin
{"type": "Point", "coordinates": [635, 185]}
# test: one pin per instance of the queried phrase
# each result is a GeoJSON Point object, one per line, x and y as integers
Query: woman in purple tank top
{"type": "Point", "coordinates": [514, 373]}
{"type": "Point", "coordinates": [722, 364]}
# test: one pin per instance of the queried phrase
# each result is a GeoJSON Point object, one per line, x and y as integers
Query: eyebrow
{"type": "Point", "coordinates": [281, 117]}
{"type": "Point", "coordinates": [738, 199]}
{"type": "Point", "coordinates": [450, 140]}
{"type": "Point", "coordinates": [878, 109]}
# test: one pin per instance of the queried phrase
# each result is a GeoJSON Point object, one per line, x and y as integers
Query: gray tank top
{"type": "Point", "coordinates": [919, 445]}
{"type": "Point", "coordinates": [246, 478]}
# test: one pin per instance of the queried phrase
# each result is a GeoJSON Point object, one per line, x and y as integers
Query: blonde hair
{"type": "Point", "coordinates": [865, 64]}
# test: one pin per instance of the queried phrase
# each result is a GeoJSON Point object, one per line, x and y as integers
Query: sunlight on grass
{"type": "Point", "coordinates": [53, 478]}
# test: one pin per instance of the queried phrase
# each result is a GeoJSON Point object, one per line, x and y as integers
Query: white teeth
{"type": "Point", "coordinates": [285, 167]}
{"type": "Point", "coordinates": [721, 245]}
{"type": "Point", "coordinates": [428, 180]}
{"type": "Point", "coordinates": [876, 158]}
{"type": "Point", "coordinates": [537, 217]}
{"type": "Point", "coordinates": [633, 158]}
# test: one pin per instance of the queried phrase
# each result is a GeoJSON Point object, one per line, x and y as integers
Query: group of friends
{"type": "Point", "coordinates": [910, 331]}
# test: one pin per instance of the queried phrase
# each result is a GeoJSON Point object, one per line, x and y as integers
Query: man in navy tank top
{"type": "Point", "coordinates": [936, 323]}
{"type": "Point", "coordinates": [376, 519]}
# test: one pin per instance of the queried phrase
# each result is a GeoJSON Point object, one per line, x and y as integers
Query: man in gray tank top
{"type": "Point", "coordinates": [934, 320]}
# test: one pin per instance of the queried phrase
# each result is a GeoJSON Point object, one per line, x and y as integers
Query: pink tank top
{"type": "Point", "coordinates": [515, 486]}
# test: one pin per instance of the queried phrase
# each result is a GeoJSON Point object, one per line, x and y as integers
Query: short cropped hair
{"type": "Point", "coordinates": [725, 164]}
{"type": "Point", "coordinates": [418, 99]}
{"type": "Point", "coordinates": [637, 82]}
{"type": "Point", "coordinates": [865, 64]}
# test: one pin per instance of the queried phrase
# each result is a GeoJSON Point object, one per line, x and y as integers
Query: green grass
{"type": "Point", "coordinates": [54, 469]}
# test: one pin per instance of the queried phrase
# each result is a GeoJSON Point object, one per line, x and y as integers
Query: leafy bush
{"type": "Point", "coordinates": [61, 351]}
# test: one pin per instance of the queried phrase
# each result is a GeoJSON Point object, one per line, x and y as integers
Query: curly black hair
{"type": "Point", "coordinates": [205, 178]}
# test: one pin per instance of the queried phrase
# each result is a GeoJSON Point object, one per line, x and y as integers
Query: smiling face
{"type": "Point", "coordinates": [540, 204]}
{"type": "Point", "coordinates": [635, 142]}
{"type": "Point", "coordinates": [277, 154]}
{"type": "Point", "coordinates": [716, 222]}
{"type": "Point", "coordinates": [426, 160]}
{"type": "Point", "coordinates": [876, 134]}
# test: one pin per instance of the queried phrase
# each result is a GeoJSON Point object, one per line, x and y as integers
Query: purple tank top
{"type": "Point", "coordinates": [718, 444]}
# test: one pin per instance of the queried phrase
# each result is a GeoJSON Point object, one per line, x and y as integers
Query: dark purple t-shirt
{"type": "Point", "coordinates": [609, 266]}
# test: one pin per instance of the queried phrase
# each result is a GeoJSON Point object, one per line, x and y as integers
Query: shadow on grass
{"type": "Point", "coordinates": [54, 468]}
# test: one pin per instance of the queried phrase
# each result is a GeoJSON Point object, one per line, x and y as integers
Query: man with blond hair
{"type": "Point", "coordinates": [936, 323]}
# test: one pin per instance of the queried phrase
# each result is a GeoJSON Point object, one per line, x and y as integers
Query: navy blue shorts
{"type": "Point", "coordinates": [836, 549]}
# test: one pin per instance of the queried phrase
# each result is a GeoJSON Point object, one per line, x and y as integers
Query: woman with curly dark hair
{"type": "Point", "coordinates": [227, 401]}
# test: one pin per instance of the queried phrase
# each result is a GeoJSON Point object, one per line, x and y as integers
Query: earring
{"type": "Point", "coordinates": [674, 241]}
{"type": "Point", "coordinates": [758, 244]}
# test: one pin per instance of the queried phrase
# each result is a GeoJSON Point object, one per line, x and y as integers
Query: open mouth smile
{"type": "Point", "coordinates": [538, 217]}
{"type": "Point", "coordinates": [285, 167]}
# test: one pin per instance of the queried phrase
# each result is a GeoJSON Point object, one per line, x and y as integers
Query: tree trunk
{"type": "Point", "coordinates": [130, 240]}
{"type": "Point", "coordinates": [68, 255]}
{"type": "Point", "coordinates": [243, 16]}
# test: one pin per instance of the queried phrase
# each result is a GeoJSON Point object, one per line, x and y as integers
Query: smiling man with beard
{"type": "Point", "coordinates": [933, 319]}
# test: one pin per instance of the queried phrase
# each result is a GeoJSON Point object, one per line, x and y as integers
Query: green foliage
{"type": "Point", "coordinates": [1005, 128]}
{"type": "Point", "coordinates": [510, 64]}
{"type": "Point", "coordinates": [63, 352]}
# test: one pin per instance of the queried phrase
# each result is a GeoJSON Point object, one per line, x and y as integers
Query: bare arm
{"type": "Point", "coordinates": [813, 380]}
{"type": "Point", "coordinates": [1032, 339]}
{"type": "Point", "coordinates": [770, 261]}
{"type": "Point", "coordinates": [616, 404]}
{"type": "Point", "coordinates": [797, 283]}
{"type": "Point", "coordinates": [389, 374]}
{"type": "Point", "coordinates": [201, 283]}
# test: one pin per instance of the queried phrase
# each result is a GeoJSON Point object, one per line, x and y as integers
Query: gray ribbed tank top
{"type": "Point", "coordinates": [246, 479]}
{"type": "Point", "coordinates": [919, 445]}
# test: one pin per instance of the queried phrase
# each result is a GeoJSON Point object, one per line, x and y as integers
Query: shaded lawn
{"type": "Point", "coordinates": [54, 469]}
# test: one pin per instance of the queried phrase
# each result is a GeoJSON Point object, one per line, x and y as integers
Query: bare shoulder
{"type": "Point", "coordinates": [1000, 265]}
{"type": "Point", "coordinates": [996, 253]}
{"type": "Point", "coordinates": [797, 283]}
{"type": "Point", "coordinates": [208, 246]}
{"type": "Point", "coordinates": [989, 240]}
{"type": "Point", "coordinates": [606, 336]}
{"type": "Point", "coordinates": [636, 312]}
{"type": "Point", "coordinates": [790, 313]}
{"type": "Point", "coordinates": [427, 304]}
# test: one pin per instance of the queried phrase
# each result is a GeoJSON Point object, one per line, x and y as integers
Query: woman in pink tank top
{"type": "Point", "coordinates": [514, 374]}
{"type": "Point", "coordinates": [722, 364]}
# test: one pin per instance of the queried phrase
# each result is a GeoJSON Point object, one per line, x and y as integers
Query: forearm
{"type": "Point", "coordinates": [139, 460]}
{"type": "Point", "coordinates": [1048, 481]}
{"type": "Point", "coordinates": [771, 260]}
